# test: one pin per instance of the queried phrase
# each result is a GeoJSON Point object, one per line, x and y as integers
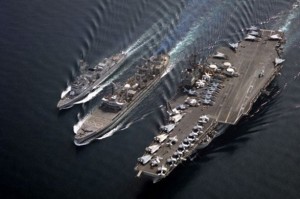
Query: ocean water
{"type": "Point", "coordinates": [41, 43]}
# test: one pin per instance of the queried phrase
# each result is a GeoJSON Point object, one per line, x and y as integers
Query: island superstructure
{"type": "Point", "coordinates": [216, 94]}
{"type": "Point", "coordinates": [115, 106]}
{"type": "Point", "coordinates": [89, 79]}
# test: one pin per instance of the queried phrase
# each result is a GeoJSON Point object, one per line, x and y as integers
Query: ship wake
{"type": "Point", "coordinates": [77, 126]}
{"type": "Point", "coordinates": [65, 92]}
{"type": "Point", "coordinates": [93, 94]}
{"type": "Point", "coordinates": [110, 133]}
{"type": "Point", "coordinates": [292, 15]}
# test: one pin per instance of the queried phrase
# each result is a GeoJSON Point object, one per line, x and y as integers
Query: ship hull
{"type": "Point", "coordinates": [86, 140]}
{"type": "Point", "coordinates": [68, 103]}
{"type": "Point", "coordinates": [234, 97]}
{"type": "Point", "coordinates": [119, 116]}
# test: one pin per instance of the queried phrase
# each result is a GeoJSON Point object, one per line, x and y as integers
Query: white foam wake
{"type": "Point", "coordinates": [92, 94]}
{"type": "Point", "coordinates": [65, 92]}
{"type": "Point", "coordinates": [110, 133]}
{"type": "Point", "coordinates": [77, 126]}
{"type": "Point", "coordinates": [292, 15]}
{"type": "Point", "coordinates": [127, 126]}
{"type": "Point", "coordinates": [168, 69]}
{"type": "Point", "coordinates": [147, 36]}
{"type": "Point", "coordinates": [140, 118]}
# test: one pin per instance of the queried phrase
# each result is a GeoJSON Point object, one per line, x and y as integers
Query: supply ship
{"type": "Point", "coordinates": [90, 79]}
{"type": "Point", "coordinates": [216, 94]}
{"type": "Point", "coordinates": [115, 106]}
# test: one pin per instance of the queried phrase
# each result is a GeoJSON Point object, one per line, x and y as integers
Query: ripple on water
{"type": "Point", "coordinates": [40, 48]}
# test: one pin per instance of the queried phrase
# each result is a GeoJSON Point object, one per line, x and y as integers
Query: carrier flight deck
{"type": "Point", "coordinates": [217, 94]}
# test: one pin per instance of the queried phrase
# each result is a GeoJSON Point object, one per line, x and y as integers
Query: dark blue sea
{"type": "Point", "coordinates": [41, 43]}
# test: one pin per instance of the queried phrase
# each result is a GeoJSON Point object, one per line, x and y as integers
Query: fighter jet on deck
{"type": "Point", "coordinates": [250, 38]}
{"type": "Point", "coordinates": [220, 55]}
{"type": "Point", "coordinates": [190, 92]}
{"type": "Point", "coordinates": [275, 37]}
{"type": "Point", "coordinates": [234, 46]}
{"type": "Point", "coordinates": [254, 33]}
{"type": "Point", "coordinates": [161, 171]}
{"type": "Point", "coordinates": [172, 140]}
{"type": "Point", "coordinates": [278, 61]}
{"type": "Point", "coordinates": [155, 161]}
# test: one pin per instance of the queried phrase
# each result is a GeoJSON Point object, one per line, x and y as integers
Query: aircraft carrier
{"type": "Point", "coordinates": [90, 79]}
{"type": "Point", "coordinates": [216, 94]}
{"type": "Point", "coordinates": [115, 106]}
